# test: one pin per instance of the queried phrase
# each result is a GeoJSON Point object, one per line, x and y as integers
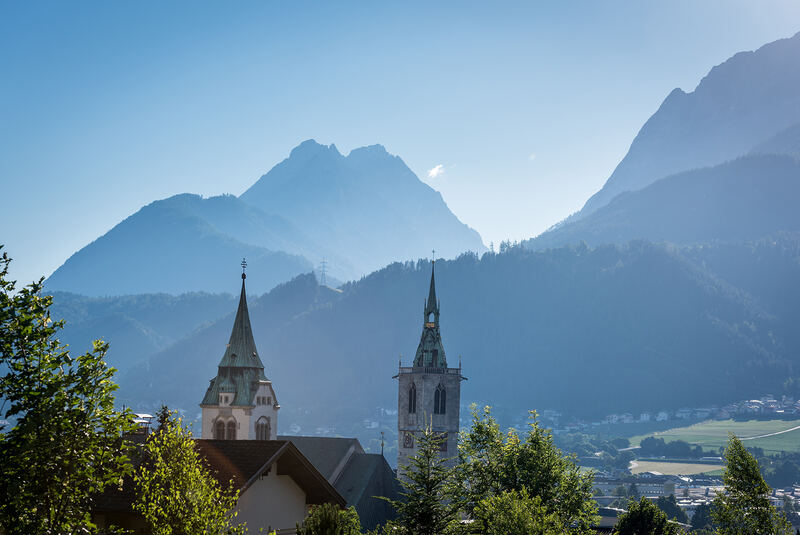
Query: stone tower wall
{"type": "Point", "coordinates": [426, 381]}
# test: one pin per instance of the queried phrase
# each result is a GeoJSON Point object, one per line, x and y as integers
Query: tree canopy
{"type": "Point", "coordinates": [64, 443]}
{"type": "Point", "coordinates": [492, 463]}
{"type": "Point", "coordinates": [743, 508]}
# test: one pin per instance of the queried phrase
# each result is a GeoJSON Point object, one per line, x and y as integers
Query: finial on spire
{"type": "Point", "coordinates": [244, 267]}
{"type": "Point", "coordinates": [433, 255]}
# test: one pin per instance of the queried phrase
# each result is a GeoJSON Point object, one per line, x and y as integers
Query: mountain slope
{"type": "Point", "coordinates": [181, 244]}
{"type": "Point", "coordinates": [739, 104]}
{"type": "Point", "coordinates": [368, 206]}
{"type": "Point", "coordinates": [741, 200]}
{"type": "Point", "coordinates": [587, 331]}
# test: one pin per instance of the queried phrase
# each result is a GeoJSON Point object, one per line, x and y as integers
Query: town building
{"type": "Point", "coordinates": [429, 393]}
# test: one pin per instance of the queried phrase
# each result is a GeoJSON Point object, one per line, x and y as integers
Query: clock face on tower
{"type": "Point", "coordinates": [408, 440]}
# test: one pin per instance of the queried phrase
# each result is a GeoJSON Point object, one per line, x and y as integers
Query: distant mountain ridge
{"type": "Point", "coordinates": [740, 103]}
{"type": "Point", "coordinates": [744, 199]}
{"type": "Point", "coordinates": [369, 206]}
{"type": "Point", "coordinates": [357, 212]}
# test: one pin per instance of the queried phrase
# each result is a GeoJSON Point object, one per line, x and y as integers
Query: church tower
{"type": "Point", "coordinates": [429, 391]}
{"type": "Point", "coordinates": [240, 402]}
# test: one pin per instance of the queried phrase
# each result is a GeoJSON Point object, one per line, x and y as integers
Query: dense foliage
{"type": "Point", "coordinates": [516, 513]}
{"type": "Point", "coordinates": [644, 517]}
{"type": "Point", "coordinates": [330, 519]}
{"type": "Point", "coordinates": [492, 463]}
{"type": "Point", "coordinates": [62, 445]}
{"type": "Point", "coordinates": [676, 449]}
{"type": "Point", "coordinates": [175, 492]}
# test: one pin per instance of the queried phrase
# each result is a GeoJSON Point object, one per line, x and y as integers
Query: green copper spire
{"type": "Point", "coordinates": [240, 369]}
{"type": "Point", "coordinates": [430, 352]}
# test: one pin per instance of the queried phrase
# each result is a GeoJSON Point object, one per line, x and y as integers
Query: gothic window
{"type": "Point", "coordinates": [408, 440]}
{"type": "Point", "coordinates": [269, 400]}
{"type": "Point", "coordinates": [219, 430]}
{"type": "Point", "coordinates": [230, 430]}
{"type": "Point", "coordinates": [440, 400]}
{"type": "Point", "coordinates": [263, 429]}
{"type": "Point", "coordinates": [412, 399]}
{"type": "Point", "coordinates": [435, 359]}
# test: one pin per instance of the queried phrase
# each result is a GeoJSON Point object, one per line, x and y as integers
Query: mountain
{"type": "Point", "coordinates": [181, 244]}
{"type": "Point", "coordinates": [588, 331]}
{"type": "Point", "coordinates": [737, 106]}
{"type": "Point", "coordinates": [786, 142]}
{"type": "Point", "coordinates": [135, 326]}
{"type": "Point", "coordinates": [358, 213]}
{"type": "Point", "coordinates": [368, 206]}
{"type": "Point", "coordinates": [741, 200]}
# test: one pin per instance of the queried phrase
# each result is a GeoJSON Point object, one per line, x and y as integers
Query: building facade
{"type": "Point", "coordinates": [429, 393]}
{"type": "Point", "coordinates": [240, 403]}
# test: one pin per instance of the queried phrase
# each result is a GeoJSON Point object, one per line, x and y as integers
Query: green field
{"type": "Point", "coordinates": [713, 434]}
{"type": "Point", "coordinates": [673, 469]}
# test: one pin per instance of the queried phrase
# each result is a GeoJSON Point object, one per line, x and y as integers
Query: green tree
{"type": "Point", "coordinates": [64, 443]}
{"type": "Point", "coordinates": [330, 519]}
{"type": "Point", "coordinates": [428, 505]}
{"type": "Point", "coordinates": [491, 463]}
{"type": "Point", "coordinates": [175, 492]}
{"type": "Point", "coordinates": [702, 518]}
{"type": "Point", "coordinates": [670, 506]}
{"type": "Point", "coordinates": [644, 517]}
{"type": "Point", "coordinates": [743, 508]}
{"type": "Point", "coordinates": [516, 513]}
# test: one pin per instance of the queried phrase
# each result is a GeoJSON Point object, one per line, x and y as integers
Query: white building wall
{"type": "Point", "coordinates": [272, 502]}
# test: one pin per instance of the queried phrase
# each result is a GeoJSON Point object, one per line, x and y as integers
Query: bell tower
{"type": "Point", "coordinates": [240, 402]}
{"type": "Point", "coordinates": [429, 392]}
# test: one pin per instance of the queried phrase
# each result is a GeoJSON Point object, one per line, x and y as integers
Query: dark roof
{"type": "Point", "coordinates": [366, 477]}
{"type": "Point", "coordinates": [240, 369]}
{"type": "Point", "coordinates": [328, 454]}
{"type": "Point", "coordinates": [359, 477]}
{"type": "Point", "coordinates": [244, 461]}
{"type": "Point", "coordinates": [430, 351]}
{"type": "Point", "coordinates": [240, 461]}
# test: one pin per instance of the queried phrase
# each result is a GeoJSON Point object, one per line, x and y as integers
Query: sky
{"type": "Point", "coordinates": [516, 112]}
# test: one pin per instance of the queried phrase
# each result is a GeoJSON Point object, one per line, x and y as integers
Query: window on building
{"type": "Point", "coordinates": [219, 430]}
{"type": "Point", "coordinates": [263, 429]}
{"type": "Point", "coordinates": [440, 400]}
{"type": "Point", "coordinates": [269, 400]}
{"type": "Point", "coordinates": [408, 440]}
{"type": "Point", "coordinates": [230, 430]}
{"type": "Point", "coordinates": [412, 399]}
{"type": "Point", "coordinates": [443, 443]}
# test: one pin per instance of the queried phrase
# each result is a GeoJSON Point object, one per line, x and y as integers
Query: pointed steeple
{"type": "Point", "coordinates": [431, 304]}
{"type": "Point", "coordinates": [240, 368]}
{"type": "Point", "coordinates": [430, 352]}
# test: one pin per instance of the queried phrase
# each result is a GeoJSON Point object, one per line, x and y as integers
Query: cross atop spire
{"type": "Point", "coordinates": [244, 267]}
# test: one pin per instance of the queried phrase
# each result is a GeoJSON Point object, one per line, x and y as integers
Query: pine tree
{"type": "Point", "coordinates": [743, 508]}
{"type": "Point", "coordinates": [330, 519]}
{"type": "Point", "coordinates": [428, 506]}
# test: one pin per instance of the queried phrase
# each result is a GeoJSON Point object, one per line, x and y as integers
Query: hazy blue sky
{"type": "Point", "coordinates": [526, 107]}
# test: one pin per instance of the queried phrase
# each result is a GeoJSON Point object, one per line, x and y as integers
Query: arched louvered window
{"type": "Point", "coordinates": [263, 428]}
{"type": "Point", "coordinates": [440, 400]}
{"type": "Point", "coordinates": [219, 430]}
{"type": "Point", "coordinates": [230, 430]}
{"type": "Point", "coordinates": [412, 399]}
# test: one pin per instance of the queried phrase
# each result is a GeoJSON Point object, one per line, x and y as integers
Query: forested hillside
{"type": "Point", "coordinates": [584, 330]}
